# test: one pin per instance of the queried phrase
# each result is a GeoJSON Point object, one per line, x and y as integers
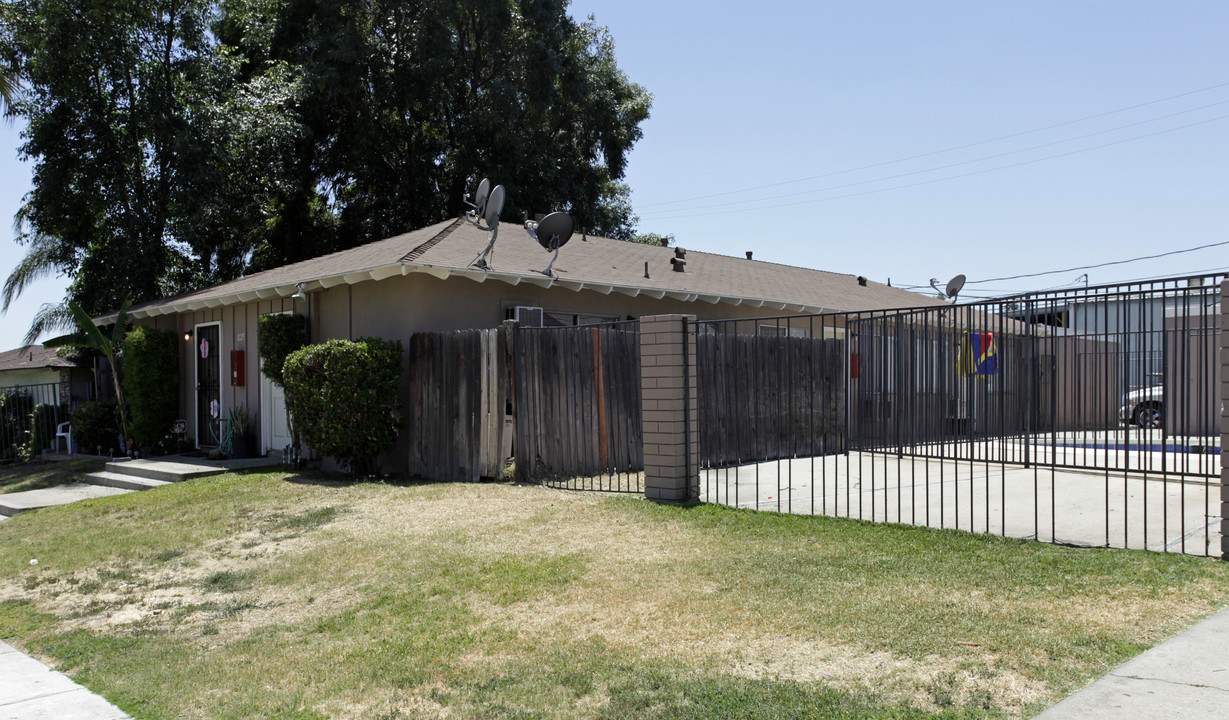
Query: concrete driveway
{"type": "Point", "coordinates": [1089, 508]}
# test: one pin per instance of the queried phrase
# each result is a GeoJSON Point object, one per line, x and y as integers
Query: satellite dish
{"type": "Point", "coordinates": [479, 203]}
{"type": "Point", "coordinates": [490, 206]}
{"type": "Point", "coordinates": [552, 233]}
{"type": "Point", "coordinates": [484, 191]}
{"type": "Point", "coordinates": [494, 206]}
{"type": "Point", "coordinates": [953, 287]}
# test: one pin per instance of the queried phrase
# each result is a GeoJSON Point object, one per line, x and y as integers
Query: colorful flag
{"type": "Point", "coordinates": [977, 355]}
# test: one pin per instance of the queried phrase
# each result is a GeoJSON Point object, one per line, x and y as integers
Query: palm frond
{"type": "Point", "coordinates": [52, 317]}
{"type": "Point", "coordinates": [9, 86]}
{"type": "Point", "coordinates": [39, 262]}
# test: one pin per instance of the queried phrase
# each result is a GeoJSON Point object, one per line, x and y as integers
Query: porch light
{"type": "Point", "coordinates": [187, 336]}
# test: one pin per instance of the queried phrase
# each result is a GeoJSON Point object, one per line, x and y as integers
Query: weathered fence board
{"type": "Point", "coordinates": [578, 410]}
{"type": "Point", "coordinates": [458, 395]}
{"type": "Point", "coordinates": [765, 397]}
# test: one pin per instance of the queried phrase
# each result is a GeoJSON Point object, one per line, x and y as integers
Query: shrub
{"type": "Point", "coordinates": [95, 425]}
{"type": "Point", "coordinates": [151, 384]}
{"type": "Point", "coordinates": [343, 396]}
{"type": "Point", "coordinates": [276, 337]}
{"type": "Point", "coordinates": [42, 428]}
{"type": "Point", "coordinates": [16, 406]}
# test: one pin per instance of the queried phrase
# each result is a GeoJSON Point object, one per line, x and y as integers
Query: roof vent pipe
{"type": "Point", "coordinates": [862, 281]}
{"type": "Point", "coordinates": [748, 254]}
{"type": "Point", "coordinates": [646, 268]}
{"type": "Point", "coordinates": [679, 261]}
{"type": "Point", "coordinates": [665, 242]}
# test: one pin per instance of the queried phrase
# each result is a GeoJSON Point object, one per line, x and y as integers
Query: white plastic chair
{"type": "Point", "coordinates": [65, 430]}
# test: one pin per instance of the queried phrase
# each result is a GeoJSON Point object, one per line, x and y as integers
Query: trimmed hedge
{"type": "Point", "coordinates": [276, 337]}
{"type": "Point", "coordinates": [343, 397]}
{"type": "Point", "coordinates": [151, 386]}
{"type": "Point", "coordinates": [96, 425]}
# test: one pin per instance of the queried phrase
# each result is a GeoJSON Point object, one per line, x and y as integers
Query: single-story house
{"type": "Point", "coordinates": [426, 280]}
{"type": "Point", "coordinates": [35, 365]}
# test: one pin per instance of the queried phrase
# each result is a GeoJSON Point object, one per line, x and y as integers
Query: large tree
{"type": "Point", "coordinates": [104, 116]}
{"type": "Point", "coordinates": [179, 143]}
{"type": "Point", "coordinates": [410, 103]}
{"type": "Point", "coordinates": [8, 73]}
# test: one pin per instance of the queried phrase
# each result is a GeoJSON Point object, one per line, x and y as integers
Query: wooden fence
{"type": "Point", "coordinates": [578, 411]}
{"type": "Point", "coordinates": [764, 397]}
{"type": "Point", "coordinates": [458, 398]}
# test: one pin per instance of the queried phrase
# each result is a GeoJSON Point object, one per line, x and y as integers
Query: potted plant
{"type": "Point", "coordinates": [241, 440]}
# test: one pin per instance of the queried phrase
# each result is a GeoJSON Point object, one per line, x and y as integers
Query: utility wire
{"type": "Point", "coordinates": [944, 167]}
{"type": "Point", "coordinates": [687, 214]}
{"type": "Point", "coordinates": [1101, 265]}
{"type": "Point", "coordinates": [1008, 293]}
{"type": "Point", "coordinates": [945, 150]}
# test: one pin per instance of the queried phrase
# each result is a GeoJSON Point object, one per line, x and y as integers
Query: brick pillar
{"type": "Point", "coordinates": [668, 395]}
{"type": "Point", "coordinates": [1224, 420]}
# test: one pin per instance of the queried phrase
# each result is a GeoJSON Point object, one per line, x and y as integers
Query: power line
{"type": "Point", "coordinates": [1101, 265]}
{"type": "Point", "coordinates": [687, 214]}
{"type": "Point", "coordinates": [1004, 292]}
{"type": "Point", "coordinates": [945, 150]}
{"type": "Point", "coordinates": [945, 167]}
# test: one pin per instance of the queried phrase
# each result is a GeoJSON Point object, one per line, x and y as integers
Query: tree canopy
{"type": "Point", "coordinates": [180, 143]}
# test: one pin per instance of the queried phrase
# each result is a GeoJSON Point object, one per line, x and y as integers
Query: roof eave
{"type": "Point", "coordinates": [381, 272]}
{"type": "Point", "coordinates": [240, 297]}
{"type": "Point", "coordinates": [606, 288]}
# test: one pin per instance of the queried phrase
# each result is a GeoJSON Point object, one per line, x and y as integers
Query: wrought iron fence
{"type": "Point", "coordinates": [1009, 417]}
{"type": "Point", "coordinates": [30, 416]}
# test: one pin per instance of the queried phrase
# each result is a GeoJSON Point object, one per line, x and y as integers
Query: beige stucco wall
{"type": "Point", "coordinates": [9, 378]}
{"type": "Point", "coordinates": [418, 303]}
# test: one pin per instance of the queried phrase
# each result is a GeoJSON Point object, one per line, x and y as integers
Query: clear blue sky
{"type": "Point", "coordinates": [803, 94]}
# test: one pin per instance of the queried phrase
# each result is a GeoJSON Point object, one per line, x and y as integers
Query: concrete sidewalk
{"type": "Point", "coordinates": [1184, 677]}
{"type": "Point", "coordinates": [29, 690]}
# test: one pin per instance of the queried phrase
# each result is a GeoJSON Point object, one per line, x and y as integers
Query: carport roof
{"type": "Point", "coordinates": [603, 265]}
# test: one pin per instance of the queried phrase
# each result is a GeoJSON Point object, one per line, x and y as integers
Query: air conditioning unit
{"type": "Point", "coordinates": [527, 316]}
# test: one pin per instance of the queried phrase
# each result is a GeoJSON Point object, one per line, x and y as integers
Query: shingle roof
{"type": "Point", "coordinates": [447, 249]}
{"type": "Point", "coordinates": [35, 357]}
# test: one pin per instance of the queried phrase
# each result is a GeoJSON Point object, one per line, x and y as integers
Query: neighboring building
{"type": "Point", "coordinates": [35, 365]}
{"type": "Point", "coordinates": [424, 281]}
{"type": "Point", "coordinates": [1145, 343]}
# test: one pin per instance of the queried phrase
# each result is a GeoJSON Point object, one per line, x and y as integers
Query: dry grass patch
{"type": "Point", "coordinates": [312, 599]}
{"type": "Point", "coordinates": [191, 589]}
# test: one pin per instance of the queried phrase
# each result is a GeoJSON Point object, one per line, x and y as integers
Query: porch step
{"type": "Point", "coordinates": [124, 480]}
{"type": "Point", "coordinates": [162, 470]}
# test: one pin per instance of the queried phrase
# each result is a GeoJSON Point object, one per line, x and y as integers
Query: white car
{"type": "Point", "coordinates": [1144, 407]}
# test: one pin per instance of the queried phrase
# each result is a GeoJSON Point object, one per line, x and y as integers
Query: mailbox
{"type": "Point", "coordinates": [237, 378]}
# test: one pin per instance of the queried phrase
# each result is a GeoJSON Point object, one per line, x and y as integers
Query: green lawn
{"type": "Point", "coordinates": [298, 596]}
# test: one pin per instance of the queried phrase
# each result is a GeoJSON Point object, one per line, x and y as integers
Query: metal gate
{"type": "Point", "coordinates": [1087, 417]}
{"type": "Point", "coordinates": [578, 409]}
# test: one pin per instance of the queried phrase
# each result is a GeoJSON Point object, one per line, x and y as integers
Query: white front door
{"type": "Point", "coordinates": [274, 427]}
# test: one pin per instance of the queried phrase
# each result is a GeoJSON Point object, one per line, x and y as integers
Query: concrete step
{"type": "Point", "coordinates": [123, 480]}
{"type": "Point", "coordinates": [13, 503]}
{"type": "Point", "coordinates": [162, 470]}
